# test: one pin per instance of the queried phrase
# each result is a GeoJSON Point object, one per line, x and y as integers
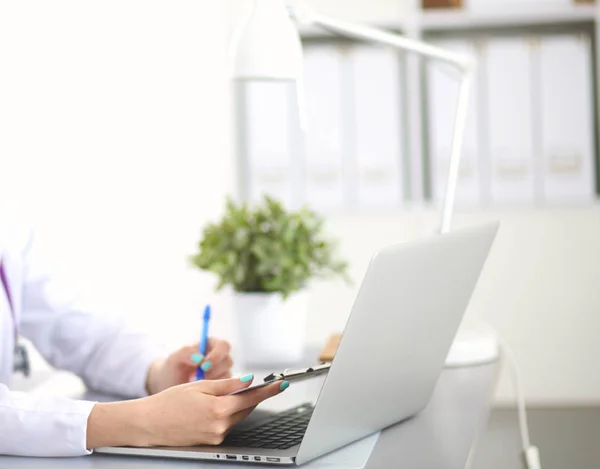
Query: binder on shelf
{"type": "Point", "coordinates": [268, 139]}
{"type": "Point", "coordinates": [567, 119]}
{"type": "Point", "coordinates": [508, 69]}
{"type": "Point", "coordinates": [442, 97]}
{"type": "Point", "coordinates": [378, 126]}
{"type": "Point", "coordinates": [323, 142]}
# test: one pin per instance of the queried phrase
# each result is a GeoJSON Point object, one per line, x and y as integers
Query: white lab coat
{"type": "Point", "coordinates": [107, 356]}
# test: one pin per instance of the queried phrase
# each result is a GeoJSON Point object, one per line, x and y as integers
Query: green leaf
{"type": "Point", "coordinates": [267, 248]}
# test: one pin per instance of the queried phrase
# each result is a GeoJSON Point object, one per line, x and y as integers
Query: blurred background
{"type": "Point", "coordinates": [121, 134]}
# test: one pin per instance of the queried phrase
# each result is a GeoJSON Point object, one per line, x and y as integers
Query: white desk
{"type": "Point", "coordinates": [441, 437]}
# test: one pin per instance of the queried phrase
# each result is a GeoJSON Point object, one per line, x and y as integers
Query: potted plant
{"type": "Point", "coordinates": [268, 255]}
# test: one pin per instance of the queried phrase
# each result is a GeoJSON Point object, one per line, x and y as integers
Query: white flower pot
{"type": "Point", "coordinates": [271, 330]}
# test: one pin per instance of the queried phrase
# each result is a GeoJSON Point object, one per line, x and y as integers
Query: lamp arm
{"type": "Point", "coordinates": [464, 63]}
{"type": "Point", "coordinates": [460, 124]}
{"type": "Point", "coordinates": [305, 15]}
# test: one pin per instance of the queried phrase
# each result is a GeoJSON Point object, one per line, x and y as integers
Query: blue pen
{"type": "Point", "coordinates": [203, 340]}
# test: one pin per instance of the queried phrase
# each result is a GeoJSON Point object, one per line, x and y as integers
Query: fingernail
{"type": "Point", "coordinates": [206, 366]}
{"type": "Point", "coordinates": [284, 385]}
{"type": "Point", "coordinates": [196, 357]}
{"type": "Point", "coordinates": [245, 379]}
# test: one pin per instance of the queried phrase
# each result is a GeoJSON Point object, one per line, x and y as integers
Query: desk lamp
{"type": "Point", "coordinates": [267, 46]}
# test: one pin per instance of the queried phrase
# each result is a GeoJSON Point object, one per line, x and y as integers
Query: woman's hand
{"type": "Point", "coordinates": [190, 414]}
{"type": "Point", "coordinates": [180, 366]}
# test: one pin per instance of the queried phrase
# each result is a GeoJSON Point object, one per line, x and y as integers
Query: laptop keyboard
{"type": "Point", "coordinates": [285, 430]}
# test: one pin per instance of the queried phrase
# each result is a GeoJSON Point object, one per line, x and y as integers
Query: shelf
{"type": "Point", "coordinates": [506, 17]}
{"type": "Point", "coordinates": [445, 20]}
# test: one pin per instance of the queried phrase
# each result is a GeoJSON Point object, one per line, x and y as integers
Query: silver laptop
{"type": "Point", "coordinates": [399, 332]}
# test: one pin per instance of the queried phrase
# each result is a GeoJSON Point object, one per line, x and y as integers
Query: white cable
{"type": "Point", "coordinates": [530, 453]}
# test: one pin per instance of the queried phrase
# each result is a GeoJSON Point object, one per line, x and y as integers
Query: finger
{"type": "Point", "coordinates": [217, 351]}
{"type": "Point", "coordinates": [222, 387]}
{"type": "Point", "coordinates": [254, 397]}
{"type": "Point", "coordinates": [219, 368]}
{"type": "Point", "coordinates": [188, 355]}
{"type": "Point", "coordinates": [225, 375]}
{"type": "Point", "coordinates": [216, 342]}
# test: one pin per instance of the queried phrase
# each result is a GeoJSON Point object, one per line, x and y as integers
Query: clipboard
{"type": "Point", "coordinates": [291, 375]}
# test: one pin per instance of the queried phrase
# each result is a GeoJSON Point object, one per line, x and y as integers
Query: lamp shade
{"type": "Point", "coordinates": [266, 45]}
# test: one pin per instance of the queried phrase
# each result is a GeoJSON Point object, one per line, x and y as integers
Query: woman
{"type": "Point", "coordinates": [111, 359]}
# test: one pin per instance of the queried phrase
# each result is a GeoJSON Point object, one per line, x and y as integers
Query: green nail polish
{"type": "Point", "coordinates": [196, 357]}
{"type": "Point", "coordinates": [284, 385]}
{"type": "Point", "coordinates": [206, 366]}
{"type": "Point", "coordinates": [245, 379]}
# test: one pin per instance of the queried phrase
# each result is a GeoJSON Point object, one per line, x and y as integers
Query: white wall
{"type": "Point", "coordinates": [114, 132]}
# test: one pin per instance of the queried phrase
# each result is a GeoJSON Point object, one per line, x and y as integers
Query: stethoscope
{"type": "Point", "coordinates": [21, 358]}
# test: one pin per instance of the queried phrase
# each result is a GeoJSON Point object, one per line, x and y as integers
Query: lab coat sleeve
{"type": "Point", "coordinates": [109, 357]}
{"type": "Point", "coordinates": [36, 425]}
